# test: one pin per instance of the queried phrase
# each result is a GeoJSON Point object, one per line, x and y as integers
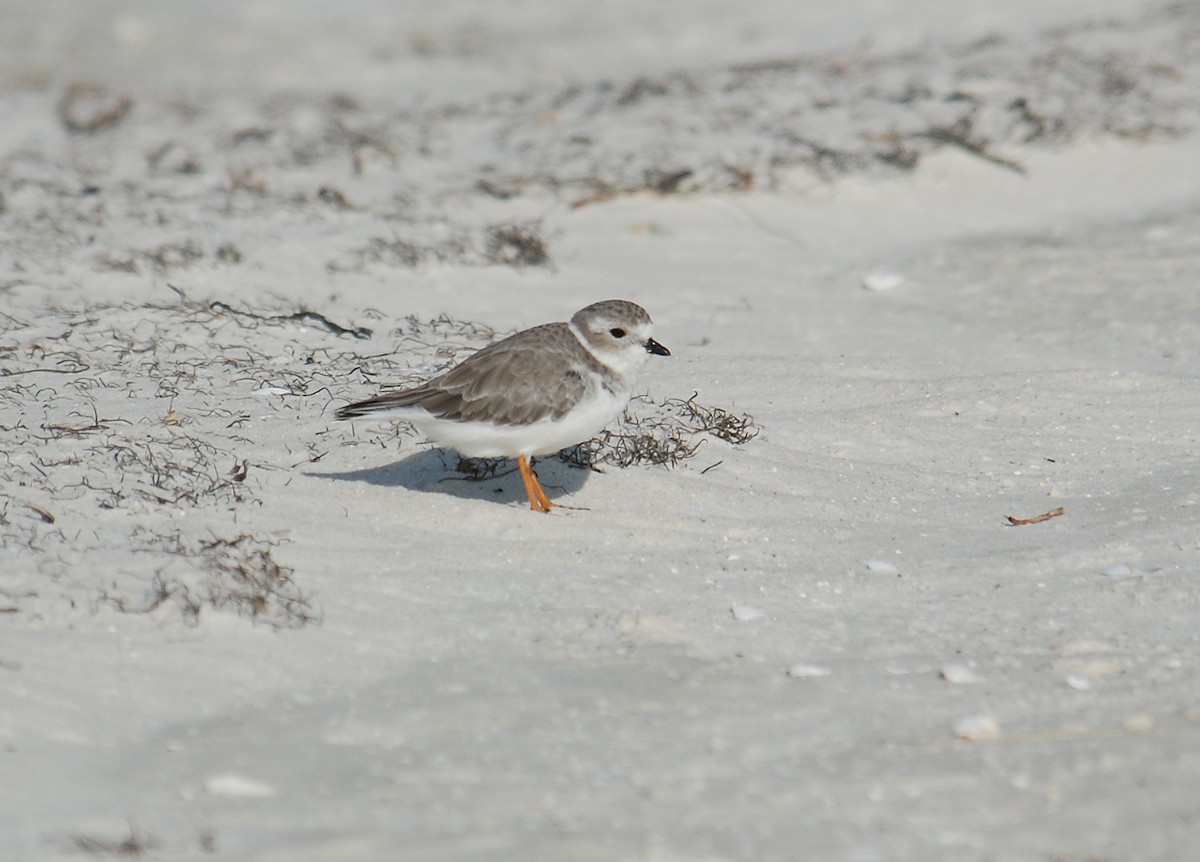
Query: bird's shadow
{"type": "Point", "coordinates": [436, 471]}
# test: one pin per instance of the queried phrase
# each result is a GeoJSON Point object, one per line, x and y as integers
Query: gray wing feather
{"type": "Point", "coordinates": [518, 381]}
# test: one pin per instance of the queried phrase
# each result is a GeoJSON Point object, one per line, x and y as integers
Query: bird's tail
{"type": "Point", "coordinates": [380, 404]}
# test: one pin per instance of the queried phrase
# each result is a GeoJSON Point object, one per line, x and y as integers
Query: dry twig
{"type": "Point", "coordinates": [1036, 519]}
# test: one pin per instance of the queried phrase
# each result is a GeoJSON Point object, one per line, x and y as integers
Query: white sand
{"type": "Point", "coordinates": [824, 643]}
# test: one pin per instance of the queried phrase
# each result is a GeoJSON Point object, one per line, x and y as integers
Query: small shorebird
{"type": "Point", "coordinates": [533, 393]}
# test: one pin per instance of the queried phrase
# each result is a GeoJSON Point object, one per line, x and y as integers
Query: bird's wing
{"type": "Point", "coordinates": [533, 375]}
{"type": "Point", "coordinates": [518, 381]}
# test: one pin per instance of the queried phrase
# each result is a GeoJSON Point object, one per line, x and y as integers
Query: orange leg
{"type": "Point", "coordinates": [538, 501]}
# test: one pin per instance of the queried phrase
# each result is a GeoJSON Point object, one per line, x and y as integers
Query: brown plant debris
{"type": "Point", "coordinates": [86, 108]}
{"type": "Point", "coordinates": [136, 843]}
{"type": "Point", "coordinates": [238, 575]}
{"type": "Point", "coordinates": [1036, 519]}
{"type": "Point", "coordinates": [304, 316]}
{"type": "Point", "coordinates": [517, 245]}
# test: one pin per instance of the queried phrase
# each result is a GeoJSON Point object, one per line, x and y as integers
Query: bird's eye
{"type": "Point", "coordinates": [617, 332]}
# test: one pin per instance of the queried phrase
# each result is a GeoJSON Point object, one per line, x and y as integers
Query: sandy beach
{"type": "Point", "coordinates": [896, 557]}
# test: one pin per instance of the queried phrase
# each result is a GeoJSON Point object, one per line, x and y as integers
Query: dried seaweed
{"type": "Point", "coordinates": [517, 245]}
{"type": "Point", "coordinates": [67, 376]}
{"type": "Point", "coordinates": [238, 575]}
{"type": "Point", "coordinates": [86, 108]}
{"type": "Point", "coordinates": [305, 316]}
{"type": "Point", "coordinates": [666, 433]}
{"type": "Point", "coordinates": [706, 130]}
{"type": "Point", "coordinates": [136, 843]}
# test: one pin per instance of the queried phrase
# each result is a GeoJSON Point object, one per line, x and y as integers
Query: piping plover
{"type": "Point", "coordinates": [533, 393]}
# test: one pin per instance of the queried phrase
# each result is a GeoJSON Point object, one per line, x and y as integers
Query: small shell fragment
{"type": "Point", "coordinates": [807, 671]}
{"type": "Point", "coordinates": [231, 786]}
{"type": "Point", "coordinates": [881, 280]}
{"type": "Point", "coordinates": [977, 728]}
{"type": "Point", "coordinates": [960, 674]}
